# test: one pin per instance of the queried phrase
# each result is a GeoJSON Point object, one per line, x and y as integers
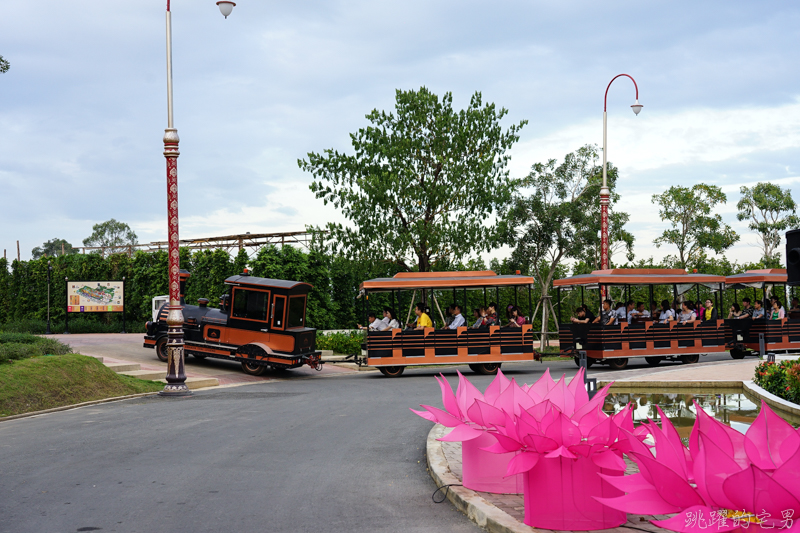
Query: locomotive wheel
{"type": "Point", "coordinates": [653, 361]}
{"type": "Point", "coordinates": [392, 371]}
{"type": "Point", "coordinates": [738, 354]}
{"type": "Point", "coordinates": [486, 369]}
{"type": "Point", "coordinates": [589, 362]}
{"type": "Point", "coordinates": [252, 368]}
{"type": "Point", "coordinates": [618, 363]}
{"type": "Point", "coordinates": [690, 359]}
{"type": "Point", "coordinates": [161, 349]}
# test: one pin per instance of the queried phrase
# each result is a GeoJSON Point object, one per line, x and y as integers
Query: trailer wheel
{"type": "Point", "coordinates": [618, 363]}
{"type": "Point", "coordinates": [486, 369]}
{"type": "Point", "coordinates": [690, 359]}
{"type": "Point", "coordinates": [161, 349]}
{"type": "Point", "coordinates": [653, 361]}
{"type": "Point", "coordinates": [738, 354]}
{"type": "Point", "coordinates": [392, 371]}
{"type": "Point", "coordinates": [252, 368]}
{"type": "Point", "coordinates": [589, 362]}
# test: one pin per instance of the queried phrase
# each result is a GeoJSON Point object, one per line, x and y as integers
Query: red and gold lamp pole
{"type": "Point", "coordinates": [176, 375]}
{"type": "Point", "coordinates": [605, 193]}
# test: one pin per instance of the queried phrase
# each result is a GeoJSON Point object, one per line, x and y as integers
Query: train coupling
{"type": "Point", "coordinates": [314, 360]}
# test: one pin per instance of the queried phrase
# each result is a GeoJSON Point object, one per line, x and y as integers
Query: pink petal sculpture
{"type": "Point", "coordinates": [724, 481]}
{"type": "Point", "coordinates": [548, 438]}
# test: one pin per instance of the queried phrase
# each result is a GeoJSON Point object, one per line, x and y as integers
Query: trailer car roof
{"type": "Point", "coordinates": [265, 282]}
{"type": "Point", "coordinates": [764, 275]}
{"type": "Point", "coordinates": [445, 280]}
{"type": "Point", "coordinates": [639, 276]}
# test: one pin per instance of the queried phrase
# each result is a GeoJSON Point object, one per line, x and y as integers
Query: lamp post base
{"type": "Point", "coordinates": [176, 389]}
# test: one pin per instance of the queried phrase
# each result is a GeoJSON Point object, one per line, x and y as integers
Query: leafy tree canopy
{"type": "Point", "coordinates": [112, 236]}
{"type": "Point", "coordinates": [560, 219]}
{"type": "Point", "coordinates": [53, 248]}
{"type": "Point", "coordinates": [424, 183]}
{"type": "Point", "coordinates": [694, 228]}
{"type": "Point", "coordinates": [770, 211]}
{"type": "Point", "coordinates": [4, 65]}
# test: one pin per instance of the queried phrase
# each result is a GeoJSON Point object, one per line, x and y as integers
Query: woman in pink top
{"type": "Point", "coordinates": [516, 320]}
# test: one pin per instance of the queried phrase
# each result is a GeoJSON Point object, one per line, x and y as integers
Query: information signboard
{"type": "Point", "coordinates": [95, 296]}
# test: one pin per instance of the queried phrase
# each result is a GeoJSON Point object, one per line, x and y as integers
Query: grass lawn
{"type": "Point", "coordinates": [45, 382]}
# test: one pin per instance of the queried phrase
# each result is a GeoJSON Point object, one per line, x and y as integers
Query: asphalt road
{"type": "Point", "coordinates": [328, 453]}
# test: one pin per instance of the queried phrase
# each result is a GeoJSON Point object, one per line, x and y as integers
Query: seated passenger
{"type": "Point", "coordinates": [641, 312]}
{"type": "Point", "coordinates": [758, 311]}
{"type": "Point", "coordinates": [735, 311]}
{"type": "Point", "coordinates": [423, 319]}
{"type": "Point", "coordinates": [747, 309]}
{"type": "Point", "coordinates": [389, 320]}
{"type": "Point", "coordinates": [515, 318]}
{"type": "Point", "coordinates": [580, 316]}
{"type": "Point", "coordinates": [449, 315]}
{"type": "Point", "coordinates": [619, 310]}
{"type": "Point", "coordinates": [795, 308]}
{"type": "Point", "coordinates": [667, 314]}
{"type": "Point", "coordinates": [777, 310]}
{"type": "Point", "coordinates": [655, 312]}
{"type": "Point", "coordinates": [630, 311]}
{"type": "Point", "coordinates": [709, 313]}
{"type": "Point", "coordinates": [687, 314]}
{"type": "Point", "coordinates": [477, 314]}
{"type": "Point", "coordinates": [607, 316]}
{"type": "Point", "coordinates": [491, 315]}
{"type": "Point", "coordinates": [458, 319]}
{"type": "Point", "coordinates": [374, 325]}
{"type": "Point", "coordinates": [588, 312]}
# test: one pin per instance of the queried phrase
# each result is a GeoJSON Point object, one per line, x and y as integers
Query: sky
{"type": "Point", "coordinates": [83, 107]}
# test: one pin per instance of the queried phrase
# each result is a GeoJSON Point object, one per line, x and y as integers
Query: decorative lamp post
{"type": "Point", "coordinates": [604, 191]}
{"type": "Point", "coordinates": [176, 375]}
{"type": "Point", "coordinates": [49, 270]}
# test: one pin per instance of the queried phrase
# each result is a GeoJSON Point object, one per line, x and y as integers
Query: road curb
{"type": "Point", "coordinates": [770, 399]}
{"type": "Point", "coordinates": [468, 502]}
{"type": "Point", "coordinates": [75, 406]}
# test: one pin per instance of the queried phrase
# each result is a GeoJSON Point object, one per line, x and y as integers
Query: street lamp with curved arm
{"type": "Point", "coordinates": [604, 191]}
{"type": "Point", "coordinates": [176, 373]}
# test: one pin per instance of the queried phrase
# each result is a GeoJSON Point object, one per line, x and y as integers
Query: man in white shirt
{"type": "Point", "coordinates": [458, 318]}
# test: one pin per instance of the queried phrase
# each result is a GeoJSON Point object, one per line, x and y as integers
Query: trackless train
{"type": "Point", "coordinates": [261, 323]}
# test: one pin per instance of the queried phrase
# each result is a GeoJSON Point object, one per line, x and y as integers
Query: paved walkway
{"type": "Point", "coordinates": [127, 348]}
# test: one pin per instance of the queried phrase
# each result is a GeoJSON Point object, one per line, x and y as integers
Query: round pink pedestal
{"type": "Point", "coordinates": [483, 471]}
{"type": "Point", "coordinates": [558, 495]}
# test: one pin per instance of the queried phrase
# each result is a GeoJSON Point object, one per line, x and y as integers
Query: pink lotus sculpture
{"type": "Point", "coordinates": [548, 438]}
{"type": "Point", "coordinates": [475, 416]}
{"type": "Point", "coordinates": [724, 481]}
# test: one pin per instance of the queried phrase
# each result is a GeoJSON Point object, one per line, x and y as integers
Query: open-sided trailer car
{"type": "Point", "coordinates": [778, 335]}
{"type": "Point", "coordinates": [614, 345]}
{"type": "Point", "coordinates": [483, 349]}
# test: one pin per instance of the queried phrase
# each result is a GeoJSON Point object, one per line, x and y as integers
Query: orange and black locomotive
{"type": "Point", "coordinates": [261, 323]}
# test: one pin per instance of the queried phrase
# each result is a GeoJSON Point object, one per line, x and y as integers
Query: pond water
{"type": "Point", "coordinates": [735, 409]}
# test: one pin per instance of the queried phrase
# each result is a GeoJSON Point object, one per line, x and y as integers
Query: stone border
{"type": "Point", "coordinates": [670, 384]}
{"type": "Point", "coordinates": [75, 406]}
{"type": "Point", "coordinates": [771, 399]}
{"type": "Point", "coordinates": [477, 509]}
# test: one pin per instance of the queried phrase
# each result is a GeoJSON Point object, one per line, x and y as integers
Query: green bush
{"type": "Point", "coordinates": [15, 346]}
{"type": "Point", "coordinates": [77, 324]}
{"type": "Point", "coordinates": [342, 343]}
{"type": "Point", "coordinates": [782, 379]}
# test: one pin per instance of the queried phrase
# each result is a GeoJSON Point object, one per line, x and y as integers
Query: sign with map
{"type": "Point", "coordinates": [95, 296]}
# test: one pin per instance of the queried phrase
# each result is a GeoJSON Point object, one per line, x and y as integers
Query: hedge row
{"type": "Point", "coordinates": [23, 288]}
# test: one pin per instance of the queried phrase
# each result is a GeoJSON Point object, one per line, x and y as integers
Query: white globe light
{"type": "Point", "coordinates": [636, 107]}
{"type": "Point", "coordinates": [225, 7]}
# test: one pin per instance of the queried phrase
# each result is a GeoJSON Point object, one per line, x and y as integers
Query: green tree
{"type": "Point", "coordinates": [694, 228]}
{"type": "Point", "coordinates": [112, 236]}
{"type": "Point", "coordinates": [53, 248]}
{"type": "Point", "coordinates": [4, 65]}
{"type": "Point", "coordinates": [560, 220]}
{"type": "Point", "coordinates": [770, 211]}
{"type": "Point", "coordinates": [424, 182]}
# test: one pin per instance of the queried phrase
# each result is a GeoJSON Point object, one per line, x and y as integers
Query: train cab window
{"type": "Point", "coordinates": [278, 311]}
{"type": "Point", "coordinates": [250, 305]}
{"type": "Point", "coordinates": [297, 312]}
